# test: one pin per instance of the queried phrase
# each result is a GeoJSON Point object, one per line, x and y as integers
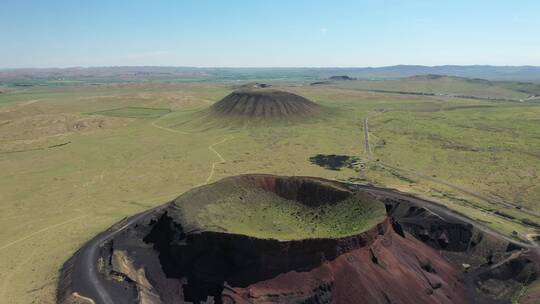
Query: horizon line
{"type": "Point", "coordinates": [267, 67]}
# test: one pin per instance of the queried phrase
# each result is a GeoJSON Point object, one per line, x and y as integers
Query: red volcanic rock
{"type": "Point", "coordinates": [413, 256]}
{"type": "Point", "coordinates": [391, 269]}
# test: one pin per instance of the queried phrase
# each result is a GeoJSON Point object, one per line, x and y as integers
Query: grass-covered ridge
{"type": "Point", "coordinates": [241, 206]}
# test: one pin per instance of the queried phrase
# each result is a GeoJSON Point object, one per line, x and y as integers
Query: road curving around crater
{"type": "Point", "coordinates": [188, 256]}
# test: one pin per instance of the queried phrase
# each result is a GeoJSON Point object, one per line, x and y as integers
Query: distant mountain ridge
{"type": "Point", "coordinates": [516, 73]}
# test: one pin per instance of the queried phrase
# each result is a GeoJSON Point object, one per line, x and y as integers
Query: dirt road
{"type": "Point", "coordinates": [85, 279]}
{"type": "Point", "coordinates": [367, 148]}
{"type": "Point", "coordinates": [439, 209]}
{"type": "Point", "coordinates": [461, 189]}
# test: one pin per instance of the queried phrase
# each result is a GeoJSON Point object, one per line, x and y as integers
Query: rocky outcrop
{"type": "Point", "coordinates": [413, 255]}
{"type": "Point", "coordinates": [207, 260]}
{"type": "Point", "coordinates": [430, 228]}
{"type": "Point", "coordinates": [249, 270]}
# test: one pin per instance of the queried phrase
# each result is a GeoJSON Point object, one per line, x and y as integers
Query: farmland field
{"type": "Point", "coordinates": [77, 158]}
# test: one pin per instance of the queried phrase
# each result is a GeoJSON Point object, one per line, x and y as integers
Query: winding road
{"type": "Point", "coordinates": [222, 160]}
{"type": "Point", "coordinates": [85, 275]}
{"type": "Point", "coordinates": [88, 283]}
{"type": "Point", "coordinates": [210, 147]}
{"type": "Point", "coordinates": [168, 129]}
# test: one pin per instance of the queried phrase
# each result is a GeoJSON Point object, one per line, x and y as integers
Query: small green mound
{"type": "Point", "coordinates": [259, 208]}
{"type": "Point", "coordinates": [134, 112]}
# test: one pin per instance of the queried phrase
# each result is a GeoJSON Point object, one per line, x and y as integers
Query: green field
{"type": "Point", "coordinates": [449, 86]}
{"type": "Point", "coordinates": [134, 112]}
{"type": "Point", "coordinates": [479, 157]}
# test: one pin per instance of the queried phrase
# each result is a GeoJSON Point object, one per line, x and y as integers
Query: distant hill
{"type": "Point", "coordinates": [469, 71]}
{"type": "Point", "coordinates": [264, 103]}
{"type": "Point", "coordinates": [342, 77]}
{"type": "Point", "coordinates": [455, 86]}
{"type": "Point", "coordinates": [111, 74]}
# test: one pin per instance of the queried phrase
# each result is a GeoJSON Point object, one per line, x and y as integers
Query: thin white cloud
{"type": "Point", "coordinates": [324, 30]}
{"type": "Point", "coordinates": [144, 55]}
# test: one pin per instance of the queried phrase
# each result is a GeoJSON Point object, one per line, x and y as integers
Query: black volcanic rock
{"type": "Point", "coordinates": [183, 252]}
{"type": "Point", "coordinates": [264, 103]}
{"type": "Point", "coordinates": [342, 77]}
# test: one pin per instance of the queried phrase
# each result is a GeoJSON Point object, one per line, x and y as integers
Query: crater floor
{"type": "Point", "coordinates": [272, 207]}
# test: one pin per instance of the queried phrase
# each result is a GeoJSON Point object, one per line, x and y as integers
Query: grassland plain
{"type": "Point", "coordinates": [55, 196]}
{"type": "Point", "coordinates": [133, 112]}
{"type": "Point", "coordinates": [453, 86]}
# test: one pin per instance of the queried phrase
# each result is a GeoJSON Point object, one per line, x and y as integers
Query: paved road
{"type": "Point", "coordinates": [85, 272]}
{"type": "Point", "coordinates": [85, 264]}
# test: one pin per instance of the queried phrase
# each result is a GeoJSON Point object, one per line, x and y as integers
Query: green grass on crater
{"type": "Point", "coordinates": [268, 216]}
{"type": "Point", "coordinates": [243, 209]}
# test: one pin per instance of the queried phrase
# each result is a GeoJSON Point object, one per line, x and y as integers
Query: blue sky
{"type": "Point", "coordinates": [293, 33]}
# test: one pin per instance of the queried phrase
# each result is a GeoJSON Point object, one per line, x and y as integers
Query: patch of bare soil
{"type": "Point", "coordinates": [36, 127]}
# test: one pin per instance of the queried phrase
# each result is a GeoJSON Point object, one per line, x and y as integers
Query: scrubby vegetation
{"type": "Point", "coordinates": [243, 208]}
{"type": "Point", "coordinates": [434, 146]}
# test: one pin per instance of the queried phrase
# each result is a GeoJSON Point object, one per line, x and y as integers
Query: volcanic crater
{"type": "Point", "coordinates": [274, 239]}
{"type": "Point", "coordinates": [277, 208]}
{"type": "Point", "coordinates": [266, 103]}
